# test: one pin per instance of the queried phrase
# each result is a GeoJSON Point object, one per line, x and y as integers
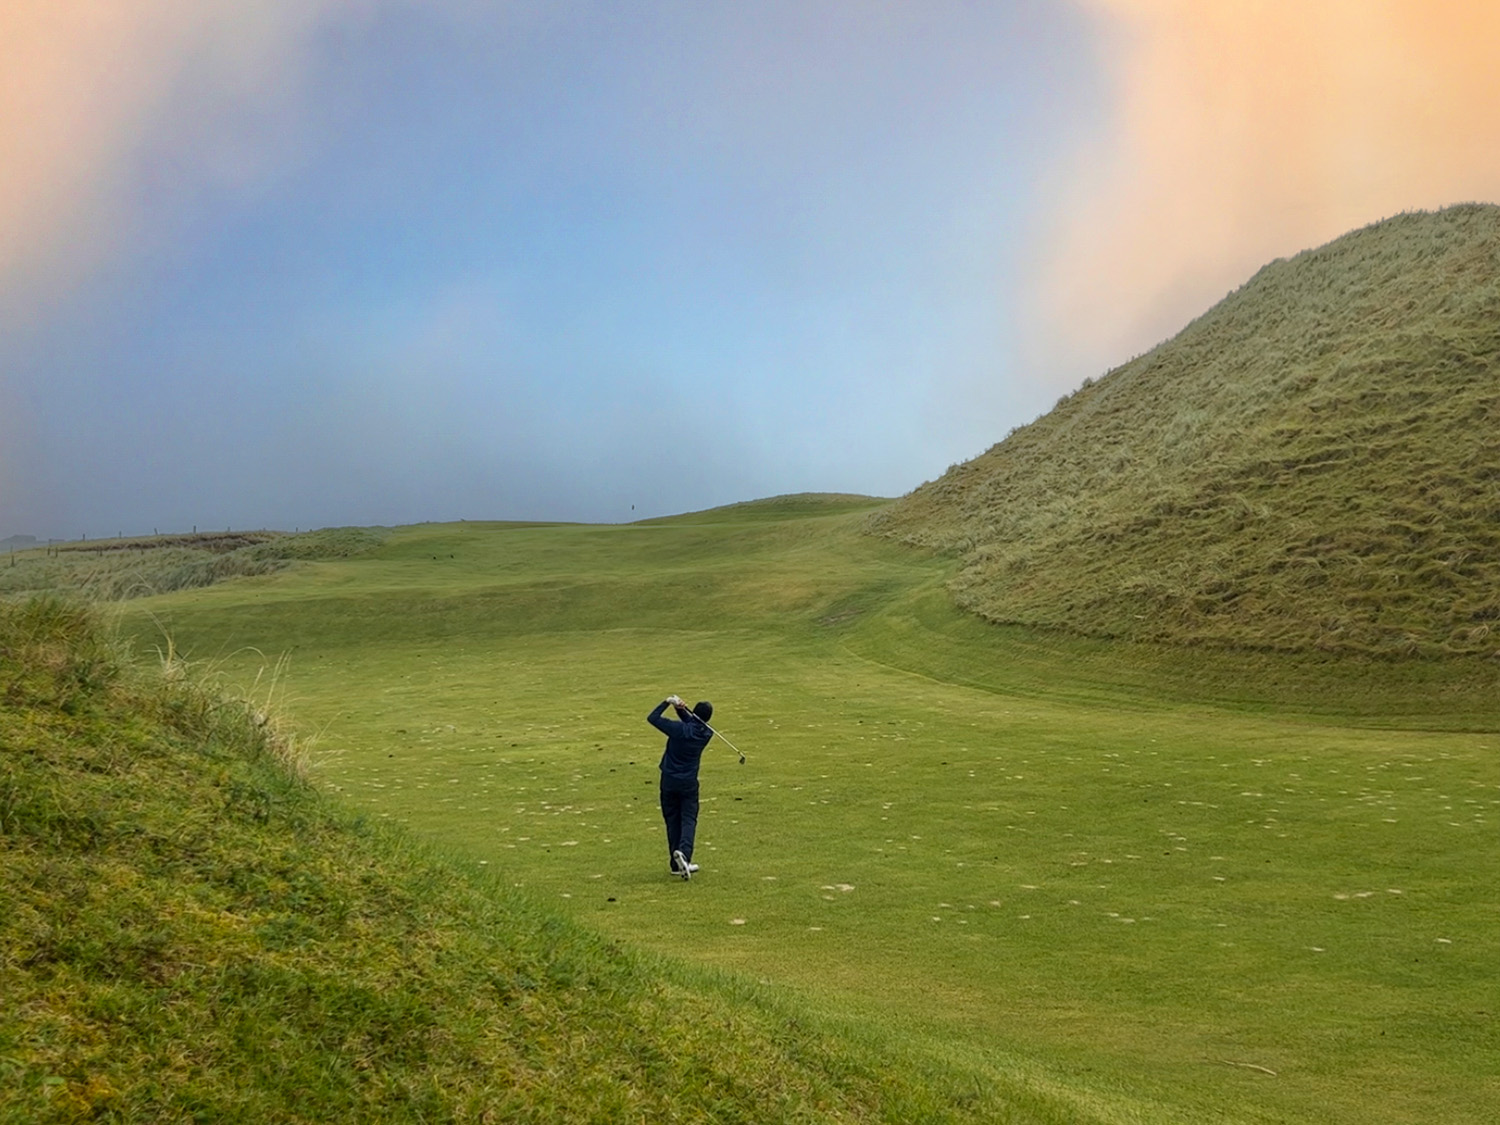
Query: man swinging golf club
{"type": "Point", "coordinates": [687, 735]}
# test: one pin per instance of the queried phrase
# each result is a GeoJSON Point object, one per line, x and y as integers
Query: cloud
{"type": "Point", "coordinates": [84, 82]}
{"type": "Point", "coordinates": [1245, 130]}
{"type": "Point", "coordinates": [90, 92]}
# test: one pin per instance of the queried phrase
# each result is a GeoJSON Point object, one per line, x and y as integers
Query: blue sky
{"type": "Point", "coordinates": [292, 265]}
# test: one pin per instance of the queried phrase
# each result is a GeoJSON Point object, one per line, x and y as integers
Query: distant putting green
{"type": "Point", "coordinates": [1171, 885]}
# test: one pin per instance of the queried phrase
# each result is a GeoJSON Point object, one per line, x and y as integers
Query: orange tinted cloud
{"type": "Point", "coordinates": [1246, 130]}
{"type": "Point", "coordinates": [81, 81]}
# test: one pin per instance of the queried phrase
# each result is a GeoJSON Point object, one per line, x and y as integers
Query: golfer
{"type": "Point", "coordinates": [687, 735]}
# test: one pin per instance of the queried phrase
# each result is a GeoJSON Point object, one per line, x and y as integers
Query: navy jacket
{"type": "Point", "coordinates": [685, 742]}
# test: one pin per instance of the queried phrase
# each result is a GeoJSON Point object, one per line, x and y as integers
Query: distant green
{"type": "Point", "coordinates": [1144, 883]}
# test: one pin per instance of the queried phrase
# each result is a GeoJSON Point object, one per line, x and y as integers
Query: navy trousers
{"type": "Point", "coordinates": [679, 808]}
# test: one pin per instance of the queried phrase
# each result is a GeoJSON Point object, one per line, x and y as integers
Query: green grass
{"type": "Point", "coordinates": [1311, 465]}
{"type": "Point", "coordinates": [1146, 883]}
{"type": "Point", "coordinates": [191, 932]}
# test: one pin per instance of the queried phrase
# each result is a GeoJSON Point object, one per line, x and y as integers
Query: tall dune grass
{"type": "Point", "coordinates": [117, 570]}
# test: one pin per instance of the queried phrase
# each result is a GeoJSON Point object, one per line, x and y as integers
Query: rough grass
{"type": "Point", "coordinates": [191, 933]}
{"type": "Point", "coordinates": [120, 569]}
{"type": "Point", "coordinates": [1313, 464]}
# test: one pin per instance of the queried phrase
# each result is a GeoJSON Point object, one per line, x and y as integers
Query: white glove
{"type": "Point", "coordinates": [676, 701]}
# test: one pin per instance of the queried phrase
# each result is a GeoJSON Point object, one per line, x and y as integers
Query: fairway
{"type": "Point", "coordinates": [1164, 885]}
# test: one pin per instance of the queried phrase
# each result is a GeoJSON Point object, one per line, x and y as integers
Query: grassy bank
{"type": "Point", "coordinates": [191, 932]}
{"type": "Point", "coordinates": [116, 569]}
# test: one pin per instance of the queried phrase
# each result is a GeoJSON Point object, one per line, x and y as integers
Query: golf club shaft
{"type": "Point", "coordinates": [732, 746]}
{"type": "Point", "coordinates": [726, 741]}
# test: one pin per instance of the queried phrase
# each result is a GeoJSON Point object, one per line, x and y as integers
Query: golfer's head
{"type": "Point", "coordinates": [703, 709]}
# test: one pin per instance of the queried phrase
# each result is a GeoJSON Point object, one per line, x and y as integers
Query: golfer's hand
{"type": "Point", "coordinates": [676, 701]}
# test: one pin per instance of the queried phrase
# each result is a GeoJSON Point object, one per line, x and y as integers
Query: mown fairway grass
{"type": "Point", "coordinates": [1124, 872]}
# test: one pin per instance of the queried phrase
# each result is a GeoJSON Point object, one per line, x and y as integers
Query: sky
{"type": "Point", "coordinates": [306, 263]}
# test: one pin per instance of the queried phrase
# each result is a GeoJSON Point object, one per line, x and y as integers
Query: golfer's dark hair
{"type": "Point", "coordinates": [703, 709]}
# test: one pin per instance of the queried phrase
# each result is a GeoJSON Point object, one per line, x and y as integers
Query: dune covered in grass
{"type": "Point", "coordinates": [1312, 464]}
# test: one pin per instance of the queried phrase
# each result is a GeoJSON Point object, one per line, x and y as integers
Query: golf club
{"type": "Point", "coordinates": [677, 702]}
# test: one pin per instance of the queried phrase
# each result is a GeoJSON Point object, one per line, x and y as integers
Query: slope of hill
{"type": "Point", "coordinates": [1314, 463]}
{"type": "Point", "coordinates": [189, 932]}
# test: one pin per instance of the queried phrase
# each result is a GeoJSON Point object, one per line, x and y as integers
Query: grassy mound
{"type": "Point", "coordinates": [774, 508]}
{"type": "Point", "coordinates": [1313, 464]}
{"type": "Point", "coordinates": [191, 932]}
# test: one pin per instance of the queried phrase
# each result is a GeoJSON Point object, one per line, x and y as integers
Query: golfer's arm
{"type": "Point", "coordinates": [666, 726]}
